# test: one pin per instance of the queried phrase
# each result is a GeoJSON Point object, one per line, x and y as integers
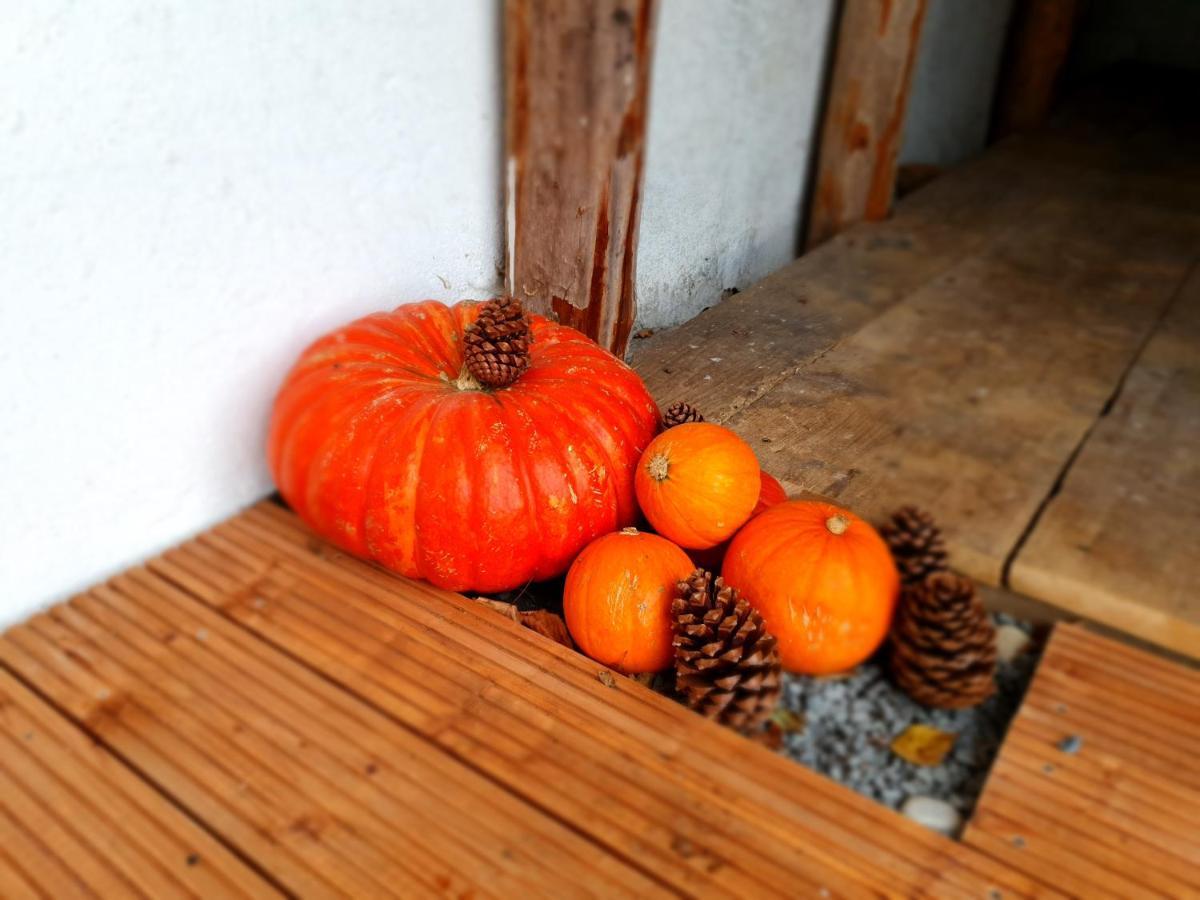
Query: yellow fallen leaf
{"type": "Point", "coordinates": [923, 745]}
{"type": "Point", "coordinates": [788, 722]}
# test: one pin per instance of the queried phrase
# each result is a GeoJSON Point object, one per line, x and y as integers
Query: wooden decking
{"type": "Point", "coordinates": [256, 713]}
{"type": "Point", "coordinates": [1118, 815]}
{"type": "Point", "coordinates": [1016, 349]}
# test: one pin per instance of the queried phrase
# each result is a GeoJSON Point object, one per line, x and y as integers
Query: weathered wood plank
{"type": "Point", "coordinates": [1118, 543]}
{"type": "Point", "coordinates": [969, 396]}
{"type": "Point", "coordinates": [1039, 40]}
{"type": "Point", "coordinates": [873, 60]}
{"type": "Point", "coordinates": [732, 354]}
{"type": "Point", "coordinates": [577, 84]}
{"type": "Point", "coordinates": [75, 819]}
{"type": "Point", "coordinates": [1113, 817]}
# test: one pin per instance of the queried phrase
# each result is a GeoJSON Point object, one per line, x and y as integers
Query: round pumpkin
{"type": "Point", "coordinates": [617, 599]}
{"type": "Point", "coordinates": [822, 579]}
{"type": "Point", "coordinates": [384, 443]}
{"type": "Point", "coordinates": [697, 484]}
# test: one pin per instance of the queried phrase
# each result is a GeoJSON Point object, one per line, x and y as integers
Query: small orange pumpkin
{"type": "Point", "coordinates": [697, 484]}
{"type": "Point", "coordinates": [617, 599]}
{"type": "Point", "coordinates": [822, 579]}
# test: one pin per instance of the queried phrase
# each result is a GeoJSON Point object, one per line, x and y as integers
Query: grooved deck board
{"type": "Point", "coordinates": [326, 794]}
{"type": "Point", "coordinates": [75, 821]}
{"type": "Point", "coordinates": [1121, 816]}
{"type": "Point", "coordinates": [1118, 542]}
{"type": "Point", "coordinates": [352, 732]}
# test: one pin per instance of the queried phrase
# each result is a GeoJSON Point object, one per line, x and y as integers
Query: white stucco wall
{"type": "Point", "coordinates": [189, 192]}
{"type": "Point", "coordinates": [954, 82]}
{"type": "Point", "coordinates": [734, 96]}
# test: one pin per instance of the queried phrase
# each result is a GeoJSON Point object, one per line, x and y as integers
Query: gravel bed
{"type": "Point", "coordinates": [851, 721]}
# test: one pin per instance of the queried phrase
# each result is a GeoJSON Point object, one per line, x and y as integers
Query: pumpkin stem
{"type": "Point", "coordinates": [837, 524]}
{"type": "Point", "coordinates": [658, 467]}
{"type": "Point", "coordinates": [629, 530]}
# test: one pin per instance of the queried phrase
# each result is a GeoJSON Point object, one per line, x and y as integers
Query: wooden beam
{"type": "Point", "coordinates": [577, 81]}
{"type": "Point", "coordinates": [873, 60]}
{"type": "Point", "coordinates": [1038, 43]}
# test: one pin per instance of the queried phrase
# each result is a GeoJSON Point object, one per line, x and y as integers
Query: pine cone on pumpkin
{"type": "Point", "coordinates": [497, 343]}
{"type": "Point", "coordinates": [942, 647]}
{"type": "Point", "coordinates": [916, 544]}
{"type": "Point", "coordinates": [726, 662]}
{"type": "Point", "coordinates": [681, 413]}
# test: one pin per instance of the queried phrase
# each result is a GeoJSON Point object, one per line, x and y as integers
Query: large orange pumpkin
{"type": "Point", "coordinates": [617, 599]}
{"type": "Point", "coordinates": [383, 443]}
{"type": "Point", "coordinates": [697, 483]}
{"type": "Point", "coordinates": [822, 579]}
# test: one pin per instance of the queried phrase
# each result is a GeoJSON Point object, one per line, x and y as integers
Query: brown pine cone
{"type": "Point", "coordinates": [680, 413]}
{"type": "Point", "coordinates": [942, 647]}
{"type": "Point", "coordinates": [916, 544]}
{"type": "Point", "coordinates": [726, 662]}
{"type": "Point", "coordinates": [497, 343]}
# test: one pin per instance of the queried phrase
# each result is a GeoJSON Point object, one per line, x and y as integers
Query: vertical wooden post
{"type": "Point", "coordinates": [1038, 43]}
{"type": "Point", "coordinates": [577, 82]}
{"type": "Point", "coordinates": [873, 59]}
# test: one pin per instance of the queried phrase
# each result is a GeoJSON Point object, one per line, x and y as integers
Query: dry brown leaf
{"type": "Point", "coordinates": [548, 624]}
{"type": "Point", "coordinates": [606, 678]}
{"type": "Point", "coordinates": [505, 609]}
{"type": "Point", "coordinates": [923, 745]}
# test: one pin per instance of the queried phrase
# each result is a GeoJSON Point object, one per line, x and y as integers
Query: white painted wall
{"type": "Point", "coordinates": [954, 83]}
{"type": "Point", "coordinates": [734, 96]}
{"type": "Point", "coordinates": [189, 192]}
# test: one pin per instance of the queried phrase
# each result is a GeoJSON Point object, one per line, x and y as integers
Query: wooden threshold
{"type": "Point", "coordinates": [980, 354]}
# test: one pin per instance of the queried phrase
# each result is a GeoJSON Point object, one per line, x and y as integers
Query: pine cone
{"type": "Point", "coordinates": [679, 413]}
{"type": "Point", "coordinates": [726, 662]}
{"type": "Point", "coordinates": [497, 343]}
{"type": "Point", "coordinates": [916, 544]}
{"type": "Point", "coordinates": [942, 646]}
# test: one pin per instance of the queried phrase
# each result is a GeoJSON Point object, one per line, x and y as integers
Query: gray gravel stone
{"type": "Point", "coordinates": [851, 721]}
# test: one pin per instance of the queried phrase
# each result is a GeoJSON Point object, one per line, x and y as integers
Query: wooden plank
{"type": "Point", "coordinates": [1118, 815]}
{"type": "Point", "coordinates": [730, 355]}
{"type": "Point", "coordinates": [626, 766]}
{"type": "Point", "coordinates": [970, 394]}
{"type": "Point", "coordinates": [1118, 543]}
{"type": "Point", "coordinates": [873, 60]}
{"type": "Point", "coordinates": [1039, 40]}
{"type": "Point", "coordinates": [76, 819]}
{"type": "Point", "coordinates": [577, 83]}
{"type": "Point", "coordinates": [324, 793]}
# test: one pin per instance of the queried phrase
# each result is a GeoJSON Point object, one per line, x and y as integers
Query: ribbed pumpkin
{"type": "Point", "coordinates": [697, 484]}
{"type": "Point", "coordinates": [822, 579]}
{"type": "Point", "coordinates": [384, 443]}
{"type": "Point", "coordinates": [617, 599]}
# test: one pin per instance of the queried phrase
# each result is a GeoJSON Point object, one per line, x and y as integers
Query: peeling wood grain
{"type": "Point", "coordinates": [874, 57]}
{"type": "Point", "coordinates": [576, 91]}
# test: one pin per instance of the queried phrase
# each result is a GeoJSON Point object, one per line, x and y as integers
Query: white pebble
{"type": "Point", "coordinates": [1011, 642]}
{"type": "Point", "coordinates": [932, 813]}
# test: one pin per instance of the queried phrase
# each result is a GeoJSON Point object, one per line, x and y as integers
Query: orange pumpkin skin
{"type": "Point", "coordinates": [617, 600]}
{"type": "Point", "coordinates": [822, 579]}
{"type": "Point", "coordinates": [697, 484]}
{"type": "Point", "coordinates": [382, 445]}
{"type": "Point", "coordinates": [770, 492]}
